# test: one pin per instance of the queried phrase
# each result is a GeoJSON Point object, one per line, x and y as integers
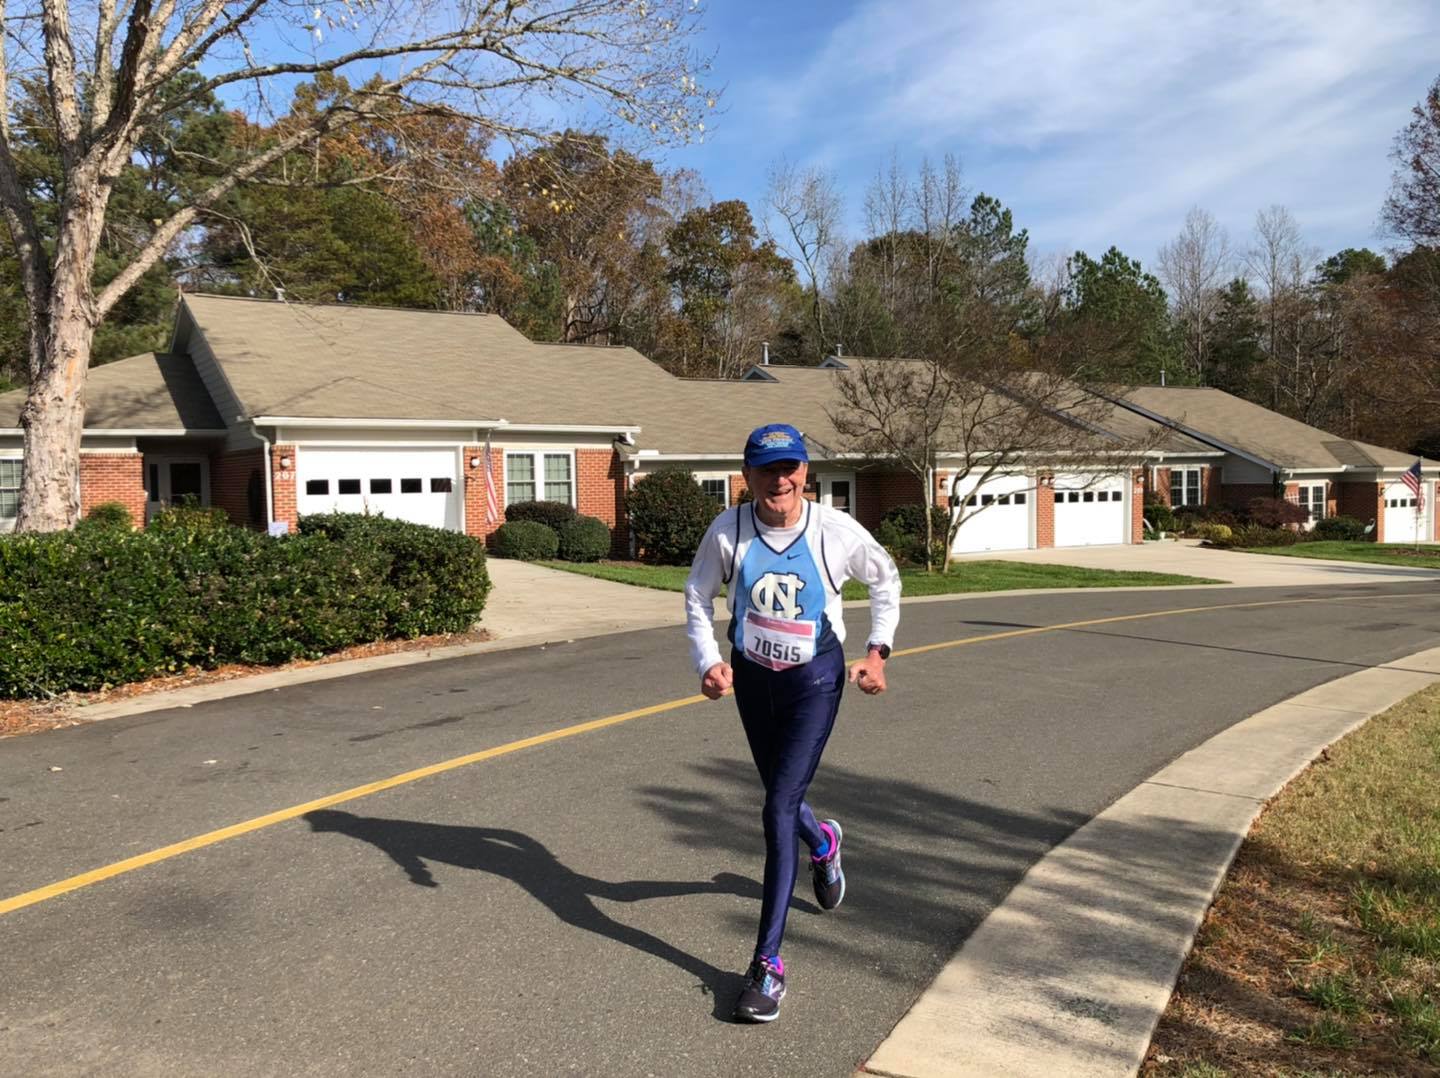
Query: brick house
{"type": "Point", "coordinates": [1265, 454]}
{"type": "Point", "coordinates": [272, 410]}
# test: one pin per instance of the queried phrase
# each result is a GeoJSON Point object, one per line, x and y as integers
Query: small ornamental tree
{"type": "Point", "coordinates": [669, 514]}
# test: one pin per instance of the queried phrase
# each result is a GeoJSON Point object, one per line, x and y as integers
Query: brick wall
{"type": "Point", "coordinates": [1210, 484]}
{"type": "Point", "coordinates": [474, 480]}
{"type": "Point", "coordinates": [113, 477]}
{"type": "Point", "coordinates": [1044, 496]}
{"type": "Point", "coordinates": [1137, 504]}
{"type": "Point", "coordinates": [879, 492]}
{"type": "Point", "coordinates": [231, 476]}
{"type": "Point", "coordinates": [1160, 484]}
{"type": "Point", "coordinates": [601, 493]}
{"type": "Point", "coordinates": [282, 482]}
{"type": "Point", "coordinates": [737, 488]}
{"type": "Point", "coordinates": [1361, 501]}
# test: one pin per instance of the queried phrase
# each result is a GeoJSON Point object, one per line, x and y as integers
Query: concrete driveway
{"type": "Point", "coordinates": [1190, 559]}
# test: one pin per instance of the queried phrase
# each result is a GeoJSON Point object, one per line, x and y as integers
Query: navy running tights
{"type": "Point", "coordinates": [788, 716]}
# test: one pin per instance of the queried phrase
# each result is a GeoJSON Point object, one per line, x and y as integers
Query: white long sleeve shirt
{"type": "Point", "coordinates": [847, 550]}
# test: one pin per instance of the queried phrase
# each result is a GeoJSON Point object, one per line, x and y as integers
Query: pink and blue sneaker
{"type": "Point", "coordinates": [764, 989]}
{"type": "Point", "coordinates": [825, 872]}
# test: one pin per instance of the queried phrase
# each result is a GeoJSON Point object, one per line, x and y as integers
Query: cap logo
{"type": "Point", "coordinates": [776, 439]}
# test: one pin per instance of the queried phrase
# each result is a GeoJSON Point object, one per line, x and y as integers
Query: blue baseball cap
{"type": "Point", "coordinates": [772, 442]}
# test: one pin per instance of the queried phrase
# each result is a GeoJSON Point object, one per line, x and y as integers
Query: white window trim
{"type": "Point", "coordinates": [1199, 485]}
{"type": "Point", "coordinates": [823, 480]}
{"type": "Point", "coordinates": [701, 477]}
{"type": "Point", "coordinates": [537, 456]}
{"type": "Point", "coordinates": [1322, 487]}
{"type": "Point", "coordinates": [8, 523]}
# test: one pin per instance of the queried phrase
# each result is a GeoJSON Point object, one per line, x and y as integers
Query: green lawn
{"type": "Point", "coordinates": [967, 577]}
{"type": "Point", "coordinates": [1428, 557]}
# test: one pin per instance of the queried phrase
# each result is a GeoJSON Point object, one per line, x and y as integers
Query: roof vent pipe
{"type": "Point", "coordinates": [839, 350]}
{"type": "Point", "coordinates": [280, 294]}
{"type": "Point", "coordinates": [1162, 376]}
{"type": "Point", "coordinates": [765, 354]}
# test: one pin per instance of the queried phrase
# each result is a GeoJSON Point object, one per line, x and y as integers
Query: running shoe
{"type": "Point", "coordinates": [828, 876]}
{"type": "Point", "coordinates": [764, 989]}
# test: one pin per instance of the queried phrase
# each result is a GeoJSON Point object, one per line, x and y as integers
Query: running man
{"type": "Point", "coordinates": [784, 560]}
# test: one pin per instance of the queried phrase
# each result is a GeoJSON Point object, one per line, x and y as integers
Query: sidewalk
{"type": "Point", "coordinates": [1187, 557]}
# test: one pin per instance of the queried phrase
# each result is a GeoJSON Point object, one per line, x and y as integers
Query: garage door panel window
{"type": "Point", "coordinates": [381, 486]}
{"type": "Point", "coordinates": [1185, 487]}
{"type": "Point", "coordinates": [442, 485]}
{"type": "Point", "coordinates": [347, 486]}
{"type": "Point", "coordinates": [317, 486]}
{"type": "Point", "coordinates": [411, 486]}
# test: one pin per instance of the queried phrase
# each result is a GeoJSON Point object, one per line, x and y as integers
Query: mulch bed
{"type": "Point", "coordinates": [31, 716]}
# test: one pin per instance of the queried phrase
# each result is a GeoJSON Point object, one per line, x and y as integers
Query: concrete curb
{"type": "Point", "coordinates": [1071, 972]}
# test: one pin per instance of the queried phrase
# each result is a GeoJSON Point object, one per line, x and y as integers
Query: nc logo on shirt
{"type": "Point", "coordinates": [778, 594]}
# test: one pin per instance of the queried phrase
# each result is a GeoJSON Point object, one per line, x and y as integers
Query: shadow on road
{"type": "Point", "coordinates": [530, 864]}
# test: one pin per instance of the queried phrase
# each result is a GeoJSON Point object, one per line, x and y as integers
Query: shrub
{"type": "Point", "coordinates": [910, 520]}
{"type": "Point", "coordinates": [1158, 515]}
{"type": "Point", "coordinates": [669, 515]}
{"type": "Point", "coordinates": [554, 515]}
{"type": "Point", "coordinates": [1191, 519]}
{"type": "Point", "coordinates": [1252, 535]}
{"type": "Point", "coordinates": [437, 578]}
{"type": "Point", "coordinates": [1345, 529]}
{"type": "Point", "coordinates": [94, 607]}
{"type": "Point", "coordinates": [190, 519]}
{"type": "Point", "coordinates": [1214, 532]}
{"type": "Point", "coordinates": [1274, 513]}
{"type": "Point", "coordinates": [108, 515]}
{"type": "Point", "coordinates": [526, 540]}
{"type": "Point", "coordinates": [584, 539]}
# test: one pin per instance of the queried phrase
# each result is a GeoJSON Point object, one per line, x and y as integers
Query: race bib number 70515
{"type": "Point", "coordinates": [778, 643]}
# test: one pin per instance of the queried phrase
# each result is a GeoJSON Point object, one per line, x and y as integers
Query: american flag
{"type": "Point", "coordinates": [492, 503]}
{"type": "Point", "coordinates": [1411, 478]}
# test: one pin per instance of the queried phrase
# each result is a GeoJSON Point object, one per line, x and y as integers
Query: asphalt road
{"type": "Point", "coordinates": [586, 906]}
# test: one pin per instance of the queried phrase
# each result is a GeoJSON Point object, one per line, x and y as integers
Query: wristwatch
{"type": "Point", "coordinates": [883, 649]}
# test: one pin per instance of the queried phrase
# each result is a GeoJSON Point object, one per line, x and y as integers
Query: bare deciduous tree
{"type": "Point", "coordinates": [105, 67]}
{"type": "Point", "coordinates": [1194, 266]}
{"type": "Point", "coordinates": [977, 420]}
{"type": "Point", "coordinates": [804, 224]}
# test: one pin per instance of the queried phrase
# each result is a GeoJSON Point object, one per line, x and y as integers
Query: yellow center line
{"type": "Point", "coordinates": [210, 838]}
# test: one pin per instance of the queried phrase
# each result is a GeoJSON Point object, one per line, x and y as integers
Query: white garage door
{"type": "Point", "coordinates": [1090, 510]}
{"type": "Point", "coordinates": [997, 515]}
{"type": "Point", "coordinates": [418, 485]}
{"type": "Point", "coordinates": [1402, 525]}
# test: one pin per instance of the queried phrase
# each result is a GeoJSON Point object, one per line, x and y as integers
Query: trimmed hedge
{"type": "Point", "coordinates": [584, 539]}
{"type": "Point", "coordinates": [669, 515]}
{"type": "Point", "coordinates": [96, 607]}
{"type": "Point", "coordinates": [526, 540]}
{"type": "Point", "coordinates": [554, 515]}
{"type": "Point", "coordinates": [1346, 529]}
{"type": "Point", "coordinates": [1253, 535]}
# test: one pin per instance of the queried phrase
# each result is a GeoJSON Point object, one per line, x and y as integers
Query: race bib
{"type": "Point", "coordinates": [778, 643]}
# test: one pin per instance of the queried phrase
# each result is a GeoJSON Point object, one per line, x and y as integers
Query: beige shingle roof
{"type": "Point", "coordinates": [288, 359]}
{"type": "Point", "coordinates": [1261, 433]}
{"type": "Point", "coordinates": [152, 391]}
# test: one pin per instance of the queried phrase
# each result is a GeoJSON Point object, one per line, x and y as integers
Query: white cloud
{"type": "Point", "coordinates": [1103, 122]}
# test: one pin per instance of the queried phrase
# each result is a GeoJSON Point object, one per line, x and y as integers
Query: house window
{"type": "Point", "coordinates": [719, 489]}
{"type": "Point", "coordinates": [10, 489]}
{"type": "Point", "coordinates": [525, 472]}
{"type": "Point", "coordinates": [1185, 487]}
{"type": "Point", "coordinates": [1311, 498]}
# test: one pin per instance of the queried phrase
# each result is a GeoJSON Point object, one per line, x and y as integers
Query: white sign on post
{"type": "Point", "coordinates": [279, 528]}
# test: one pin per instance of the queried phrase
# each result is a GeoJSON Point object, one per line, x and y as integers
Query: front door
{"type": "Point", "coordinates": [175, 481]}
{"type": "Point", "coordinates": [838, 492]}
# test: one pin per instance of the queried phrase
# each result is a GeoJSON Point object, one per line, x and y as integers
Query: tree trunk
{"type": "Point", "coordinates": [54, 414]}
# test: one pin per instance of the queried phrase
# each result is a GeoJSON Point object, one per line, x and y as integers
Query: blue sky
{"type": "Point", "coordinates": [1095, 122]}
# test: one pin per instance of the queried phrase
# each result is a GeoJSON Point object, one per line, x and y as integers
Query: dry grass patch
{"type": "Point", "coordinates": [1321, 954]}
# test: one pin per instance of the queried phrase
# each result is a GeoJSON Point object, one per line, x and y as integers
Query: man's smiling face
{"type": "Point", "coordinates": [779, 490]}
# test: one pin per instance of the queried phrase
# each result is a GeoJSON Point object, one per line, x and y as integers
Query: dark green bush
{"type": "Point", "coordinates": [584, 539]}
{"type": "Point", "coordinates": [1158, 514]}
{"type": "Point", "coordinates": [669, 515]}
{"type": "Point", "coordinates": [910, 520]}
{"type": "Point", "coordinates": [1252, 535]}
{"type": "Point", "coordinates": [108, 515]}
{"type": "Point", "coordinates": [1345, 529]}
{"type": "Point", "coordinates": [553, 515]}
{"type": "Point", "coordinates": [437, 577]}
{"type": "Point", "coordinates": [94, 607]}
{"type": "Point", "coordinates": [1192, 519]}
{"type": "Point", "coordinates": [526, 540]}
